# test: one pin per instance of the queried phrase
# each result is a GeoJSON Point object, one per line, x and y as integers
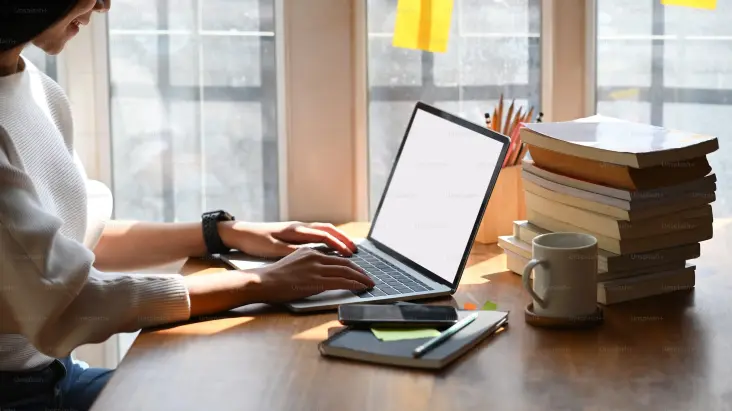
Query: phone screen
{"type": "Point", "coordinates": [372, 313]}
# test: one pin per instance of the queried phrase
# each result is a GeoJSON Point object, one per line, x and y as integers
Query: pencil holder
{"type": "Point", "coordinates": [505, 206]}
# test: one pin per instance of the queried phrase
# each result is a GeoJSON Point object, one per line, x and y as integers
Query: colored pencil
{"type": "Point", "coordinates": [509, 121]}
{"type": "Point", "coordinates": [513, 149]}
{"type": "Point", "coordinates": [515, 123]}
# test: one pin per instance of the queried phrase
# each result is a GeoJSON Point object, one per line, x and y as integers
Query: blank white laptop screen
{"type": "Point", "coordinates": [435, 194]}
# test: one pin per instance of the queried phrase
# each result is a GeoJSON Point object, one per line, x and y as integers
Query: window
{"type": "Point", "coordinates": [43, 61]}
{"type": "Point", "coordinates": [193, 109]}
{"type": "Point", "coordinates": [668, 66]}
{"type": "Point", "coordinates": [494, 48]}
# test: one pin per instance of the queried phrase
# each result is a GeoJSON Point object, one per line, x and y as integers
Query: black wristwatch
{"type": "Point", "coordinates": [210, 222]}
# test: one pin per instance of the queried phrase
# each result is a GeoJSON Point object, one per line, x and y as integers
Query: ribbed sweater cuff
{"type": "Point", "coordinates": [164, 299]}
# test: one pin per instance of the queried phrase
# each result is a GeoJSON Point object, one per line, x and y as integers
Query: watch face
{"type": "Point", "coordinates": [220, 215]}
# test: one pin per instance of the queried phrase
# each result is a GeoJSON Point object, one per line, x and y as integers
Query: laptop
{"type": "Point", "coordinates": [428, 216]}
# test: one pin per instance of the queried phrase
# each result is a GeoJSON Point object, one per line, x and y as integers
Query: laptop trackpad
{"type": "Point", "coordinates": [330, 295]}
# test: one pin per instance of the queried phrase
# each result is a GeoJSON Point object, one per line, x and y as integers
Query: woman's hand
{"type": "Point", "coordinates": [304, 273]}
{"type": "Point", "coordinates": [270, 240]}
{"type": "Point", "coordinates": [299, 275]}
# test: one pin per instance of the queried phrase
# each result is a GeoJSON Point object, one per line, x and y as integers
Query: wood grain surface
{"type": "Point", "coordinates": [667, 353]}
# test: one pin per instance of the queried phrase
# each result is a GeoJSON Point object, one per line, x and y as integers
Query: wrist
{"type": "Point", "coordinates": [214, 293]}
{"type": "Point", "coordinates": [227, 233]}
{"type": "Point", "coordinates": [211, 226]}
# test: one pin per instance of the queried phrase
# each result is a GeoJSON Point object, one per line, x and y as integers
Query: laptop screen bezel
{"type": "Point", "coordinates": [500, 138]}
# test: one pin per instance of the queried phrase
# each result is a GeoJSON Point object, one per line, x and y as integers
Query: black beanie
{"type": "Point", "coordinates": [22, 20]}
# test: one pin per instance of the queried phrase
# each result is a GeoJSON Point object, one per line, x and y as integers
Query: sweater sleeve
{"type": "Point", "coordinates": [49, 291]}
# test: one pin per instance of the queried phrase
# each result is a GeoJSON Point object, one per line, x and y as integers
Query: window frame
{"type": "Point", "coordinates": [85, 65]}
{"type": "Point", "coordinates": [568, 59]}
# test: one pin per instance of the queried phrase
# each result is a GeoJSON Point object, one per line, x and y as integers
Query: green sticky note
{"type": "Point", "coordinates": [489, 306]}
{"type": "Point", "coordinates": [394, 334]}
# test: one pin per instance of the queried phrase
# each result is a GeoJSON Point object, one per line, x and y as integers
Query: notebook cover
{"type": "Point", "coordinates": [647, 285]}
{"type": "Point", "coordinates": [608, 171]}
{"type": "Point", "coordinates": [361, 344]}
{"type": "Point", "coordinates": [616, 136]}
{"type": "Point", "coordinates": [616, 262]}
{"type": "Point", "coordinates": [698, 196]}
{"type": "Point", "coordinates": [633, 246]}
{"type": "Point", "coordinates": [701, 185]}
{"type": "Point", "coordinates": [619, 229]}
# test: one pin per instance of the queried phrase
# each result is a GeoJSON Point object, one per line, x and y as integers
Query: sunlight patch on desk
{"type": "Point", "coordinates": [476, 273]}
{"type": "Point", "coordinates": [319, 332]}
{"type": "Point", "coordinates": [208, 326]}
{"type": "Point", "coordinates": [208, 271]}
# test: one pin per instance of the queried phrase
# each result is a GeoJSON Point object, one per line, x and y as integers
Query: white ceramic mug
{"type": "Point", "coordinates": [565, 275]}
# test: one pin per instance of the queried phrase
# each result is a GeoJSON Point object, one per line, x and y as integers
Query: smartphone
{"type": "Point", "coordinates": [375, 315]}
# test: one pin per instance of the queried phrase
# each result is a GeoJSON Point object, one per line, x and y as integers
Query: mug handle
{"type": "Point", "coordinates": [527, 278]}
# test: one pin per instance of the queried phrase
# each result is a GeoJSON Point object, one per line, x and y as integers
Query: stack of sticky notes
{"type": "Point", "coordinates": [644, 192]}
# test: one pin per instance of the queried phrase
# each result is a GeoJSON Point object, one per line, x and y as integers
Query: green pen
{"type": "Point", "coordinates": [431, 344]}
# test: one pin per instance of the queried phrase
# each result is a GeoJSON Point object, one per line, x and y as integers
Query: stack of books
{"type": "Point", "coordinates": [644, 192]}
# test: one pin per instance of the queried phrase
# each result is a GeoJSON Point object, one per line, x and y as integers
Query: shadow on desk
{"type": "Point", "coordinates": [248, 317]}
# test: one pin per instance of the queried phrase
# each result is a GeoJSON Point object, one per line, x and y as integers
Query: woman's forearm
{"type": "Point", "coordinates": [132, 245]}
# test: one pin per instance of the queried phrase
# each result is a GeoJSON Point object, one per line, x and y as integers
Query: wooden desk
{"type": "Point", "coordinates": [666, 353]}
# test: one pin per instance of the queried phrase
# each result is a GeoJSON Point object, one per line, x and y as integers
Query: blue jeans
{"type": "Point", "coordinates": [66, 384]}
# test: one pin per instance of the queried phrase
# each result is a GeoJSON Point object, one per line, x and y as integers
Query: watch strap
{"type": "Point", "coordinates": [210, 222]}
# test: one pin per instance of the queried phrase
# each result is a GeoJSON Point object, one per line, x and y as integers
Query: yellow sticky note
{"type": "Point", "coordinates": [697, 4]}
{"type": "Point", "coordinates": [423, 24]}
{"type": "Point", "coordinates": [625, 94]}
{"type": "Point", "coordinates": [389, 334]}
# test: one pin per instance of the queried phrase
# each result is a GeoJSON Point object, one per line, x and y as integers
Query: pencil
{"type": "Point", "coordinates": [493, 119]}
{"type": "Point", "coordinates": [513, 149]}
{"type": "Point", "coordinates": [499, 116]}
{"type": "Point", "coordinates": [431, 344]}
{"type": "Point", "coordinates": [515, 122]}
{"type": "Point", "coordinates": [488, 120]}
{"type": "Point", "coordinates": [521, 154]}
{"type": "Point", "coordinates": [509, 119]}
{"type": "Point", "coordinates": [528, 117]}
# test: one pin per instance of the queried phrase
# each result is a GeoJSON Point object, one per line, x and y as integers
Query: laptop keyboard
{"type": "Point", "coordinates": [389, 279]}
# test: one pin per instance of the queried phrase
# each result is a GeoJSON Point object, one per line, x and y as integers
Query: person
{"type": "Point", "coordinates": [64, 271]}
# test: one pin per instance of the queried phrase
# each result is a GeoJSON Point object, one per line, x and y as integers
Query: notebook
{"type": "Point", "coordinates": [618, 229]}
{"type": "Point", "coordinates": [615, 207]}
{"type": "Point", "coordinates": [703, 231]}
{"type": "Point", "coordinates": [693, 188]}
{"type": "Point", "coordinates": [362, 345]}
{"type": "Point", "coordinates": [620, 176]}
{"type": "Point", "coordinates": [624, 143]}
{"type": "Point", "coordinates": [607, 262]}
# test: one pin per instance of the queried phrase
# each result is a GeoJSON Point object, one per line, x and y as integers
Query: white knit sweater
{"type": "Point", "coordinates": [52, 299]}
